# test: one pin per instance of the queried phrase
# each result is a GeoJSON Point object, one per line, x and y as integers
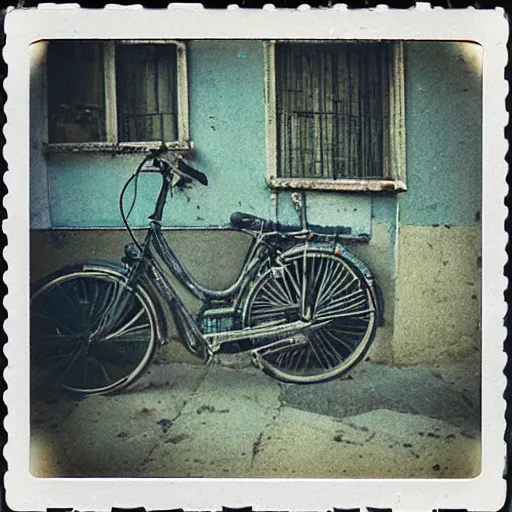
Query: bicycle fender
{"type": "Point", "coordinates": [373, 284]}
{"type": "Point", "coordinates": [115, 268]}
{"type": "Point", "coordinates": [355, 263]}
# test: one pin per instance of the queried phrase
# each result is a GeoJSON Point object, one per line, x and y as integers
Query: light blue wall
{"type": "Point", "coordinates": [330, 209]}
{"type": "Point", "coordinates": [227, 123]}
{"type": "Point", "coordinates": [443, 131]}
{"type": "Point", "coordinates": [227, 120]}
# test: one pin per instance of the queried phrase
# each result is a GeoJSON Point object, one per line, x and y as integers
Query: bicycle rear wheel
{"type": "Point", "coordinates": [326, 291]}
{"type": "Point", "coordinates": [90, 332]}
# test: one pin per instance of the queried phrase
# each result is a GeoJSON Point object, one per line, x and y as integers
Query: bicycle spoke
{"type": "Point", "coordinates": [280, 290]}
{"type": "Point", "coordinates": [54, 357]}
{"type": "Point", "coordinates": [126, 327]}
{"type": "Point", "coordinates": [343, 301]}
{"type": "Point", "coordinates": [304, 285]}
{"type": "Point", "coordinates": [306, 364]}
{"type": "Point", "coordinates": [321, 337]}
{"type": "Point", "coordinates": [333, 316]}
{"type": "Point", "coordinates": [273, 295]}
{"type": "Point", "coordinates": [292, 358]}
{"type": "Point", "coordinates": [270, 312]}
{"type": "Point", "coordinates": [335, 277]}
{"type": "Point", "coordinates": [77, 354]}
{"type": "Point", "coordinates": [99, 309]}
{"type": "Point", "coordinates": [343, 306]}
{"type": "Point", "coordinates": [326, 277]}
{"type": "Point", "coordinates": [318, 358]}
{"type": "Point", "coordinates": [350, 325]}
{"type": "Point", "coordinates": [289, 292]}
{"type": "Point", "coordinates": [55, 337]}
{"type": "Point", "coordinates": [56, 322]}
{"type": "Point", "coordinates": [339, 286]}
{"type": "Point", "coordinates": [67, 297]}
{"type": "Point", "coordinates": [341, 341]}
{"type": "Point", "coordinates": [323, 349]}
{"type": "Point", "coordinates": [293, 281]}
{"type": "Point", "coordinates": [94, 303]}
{"type": "Point", "coordinates": [108, 379]}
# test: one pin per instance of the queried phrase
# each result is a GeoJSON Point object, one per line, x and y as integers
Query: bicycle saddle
{"type": "Point", "coordinates": [251, 222]}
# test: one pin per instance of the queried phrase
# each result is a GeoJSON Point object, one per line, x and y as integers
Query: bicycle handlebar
{"type": "Point", "coordinates": [166, 169]}
{"type": "Point", "coordinates": [179, 167]}
{"type": "Point", "coordinates": [190, 172]}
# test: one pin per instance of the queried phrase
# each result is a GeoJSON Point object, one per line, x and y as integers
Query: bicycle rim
{"type": "Point", "coordinates": [339, 306]}
{"type": "Point", "coordinates": [90, 333]}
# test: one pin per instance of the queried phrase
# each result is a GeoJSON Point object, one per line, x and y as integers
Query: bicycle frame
{"type": "Point", "coordinates": [158, 244]}
{"type": "Point", "coordinates": [157, 259]}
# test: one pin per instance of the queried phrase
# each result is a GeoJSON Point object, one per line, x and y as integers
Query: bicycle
{"type": "Point", "coordinates": [303, 309]}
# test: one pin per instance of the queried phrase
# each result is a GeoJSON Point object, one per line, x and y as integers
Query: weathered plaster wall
{"type": "Point", "coordinates": [437, 307]}
{"type": "Point", "coordinates": [379, 256]}
{"type": "Point", "coordinates": [438, 293]}
{"type": "Point", "coordinates": [39, 192]}
{"type": "Point", "coordinates": [227, 121]}
{"type": "Point", "coordinates": [214, 257]}
{"type": "Point", "coordinates": [227, 124]}
{"type": "Point", "coordinates": [196, 249]}
{"type": "Point", "coordinates": [443, 132]}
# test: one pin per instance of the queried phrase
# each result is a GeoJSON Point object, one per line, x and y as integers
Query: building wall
{"type": "Point", "coordinates": [227, 120]}
{"type": "Point", "coordinates": [438, 288]}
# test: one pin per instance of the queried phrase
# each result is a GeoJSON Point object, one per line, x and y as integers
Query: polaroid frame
{"type": "Point", "coordinates": [49, 21]}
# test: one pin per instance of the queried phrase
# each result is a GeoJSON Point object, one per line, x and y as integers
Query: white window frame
{"type": "Point", "coordinates": [397, 129]}
{"type": "Point", "coordinates": [183, 145]}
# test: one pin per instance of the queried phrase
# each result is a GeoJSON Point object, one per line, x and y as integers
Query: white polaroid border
{"type": "Point", "coordinates": [49, 21]}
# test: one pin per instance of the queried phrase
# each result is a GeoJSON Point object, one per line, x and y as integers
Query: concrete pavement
{"type": "Point", "coordinates": [187, 420]}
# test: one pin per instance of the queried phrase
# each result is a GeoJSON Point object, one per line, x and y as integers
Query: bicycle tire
{"type": "Point", "coordinates": [343, 316]}
{"type": "Point", "coordinates": [90, 332]}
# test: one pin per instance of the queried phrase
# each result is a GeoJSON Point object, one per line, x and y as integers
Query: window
{"type": "Point", "coordinates": [336, 115]}
{"type": "Point", "coordinates": [116, 93]}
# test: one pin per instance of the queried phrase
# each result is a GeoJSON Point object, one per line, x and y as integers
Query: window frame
{"type": "Point", "coordinates": [397, 128]}
{"type": "Point", "coordinates": [183, 145]}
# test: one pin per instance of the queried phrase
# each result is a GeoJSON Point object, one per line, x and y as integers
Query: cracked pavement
{"type": "Point", "coordinates": [183, 420]}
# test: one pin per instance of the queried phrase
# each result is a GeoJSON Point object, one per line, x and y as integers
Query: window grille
{"type": "Point", "coordinates": [335, 110]}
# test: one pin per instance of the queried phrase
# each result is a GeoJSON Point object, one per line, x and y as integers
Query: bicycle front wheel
{"type": "Point", "coordinates": [324, 290]}
{"type": "Point", "coordinates": [90, 332]}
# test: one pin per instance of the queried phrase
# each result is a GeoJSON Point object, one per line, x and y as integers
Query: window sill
{"type": "Point", "coordinates": [389, 186]}
{"type": "Point", "coordinates": [116, 148]}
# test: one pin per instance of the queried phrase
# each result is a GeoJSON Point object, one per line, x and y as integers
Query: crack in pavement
{"type": "Point", "coordinates": [259, 439]}
{"type": "Point", "coordinates": [256, 447]}
{"type": "Point", "coordinates": [162, 435]}
{"type": "Point", "coordinates": [147, 458]}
